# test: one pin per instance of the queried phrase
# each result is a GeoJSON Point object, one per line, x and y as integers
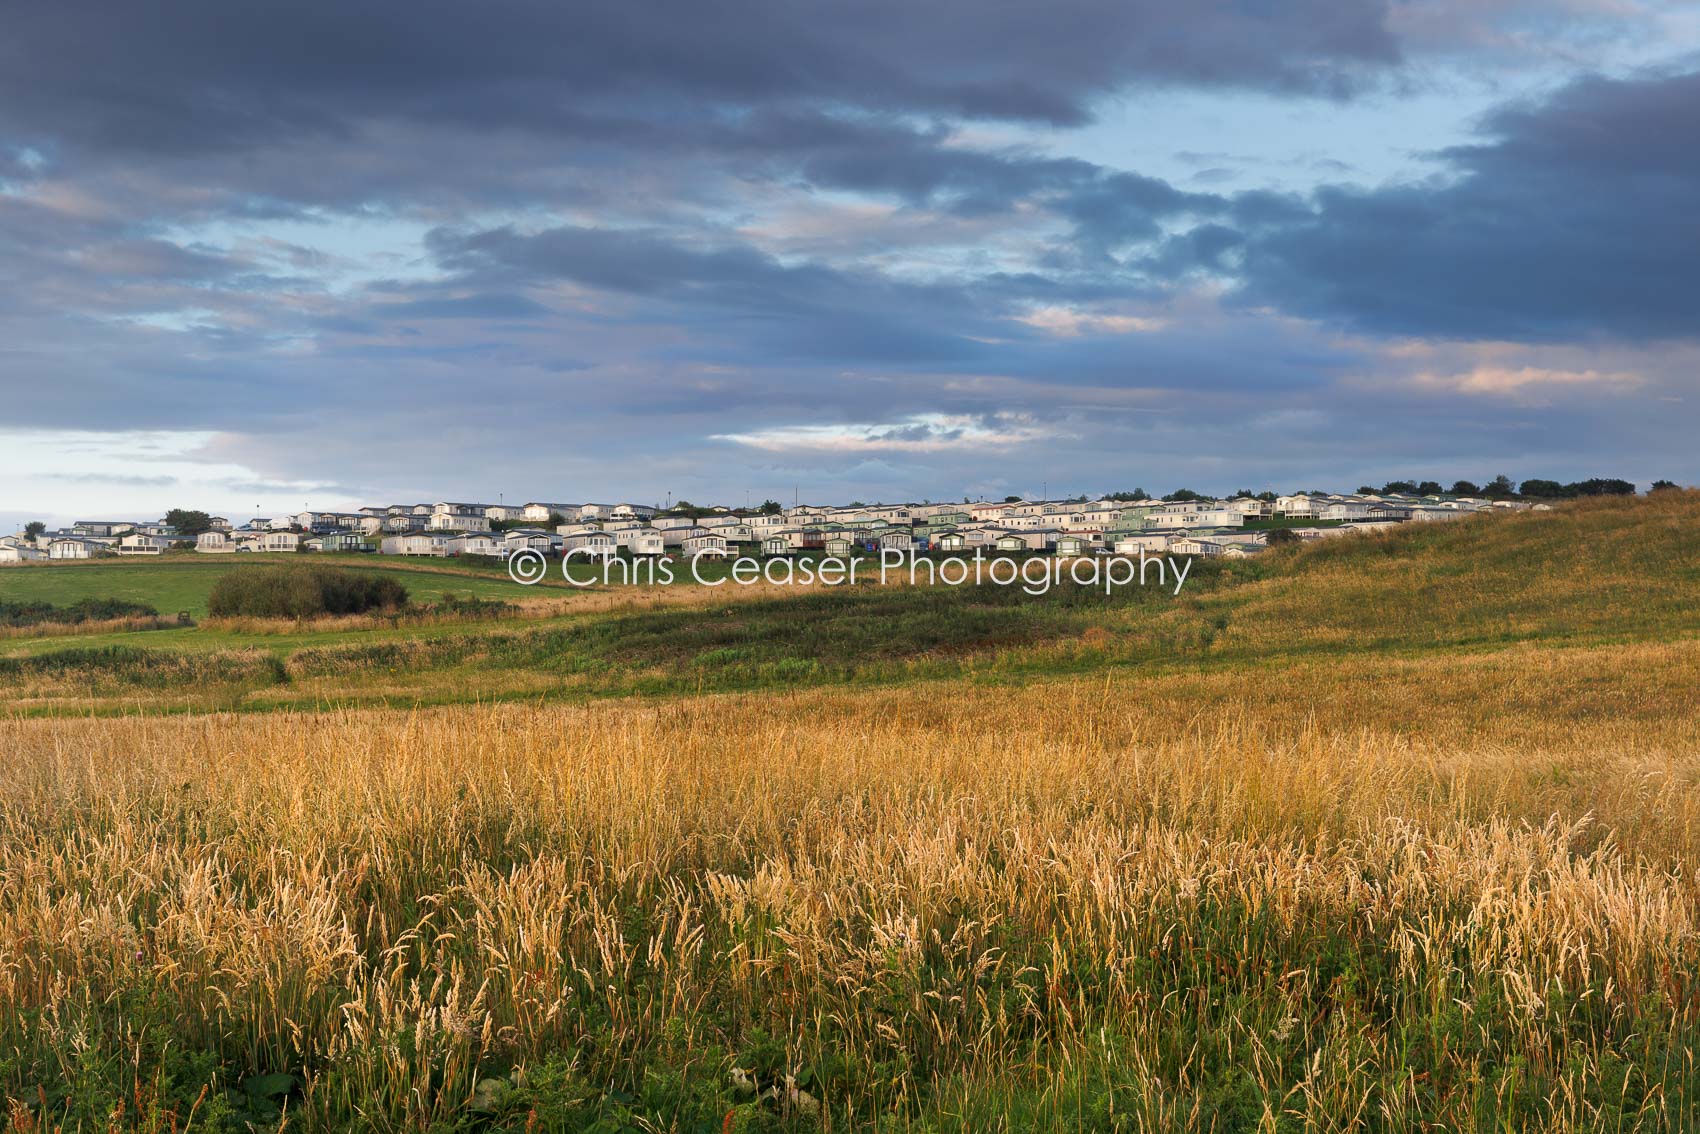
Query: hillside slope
{"type": "Point", "coordinates": [1591, 573]}
{"type": "Point", "coordinates": [1597, 570]}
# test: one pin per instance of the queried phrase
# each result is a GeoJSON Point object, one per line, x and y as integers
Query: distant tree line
{"type": "Point", "coordinates": [1594, 486]}
{"type": "Point", "coordinates": [1499, 488]}
{"type": "Point", "coordinates": [1503, 488]}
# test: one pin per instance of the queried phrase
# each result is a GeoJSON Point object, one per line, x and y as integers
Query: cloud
{"type": "Point", "coordinates": [1513, 380]}
{"type": "Point", "coordinates": [630, 250]}
{"type": "Point", "coordinates": [1530, 30]}
{"type": "Point", "coordinates": [922, 433]}
{"type": "Point", "coordinates": [202, 75]}
{"type": "Point", "coordinates": [129, 481]}
{"type": "Point", "coordinates": [488, 305]}
{"type": "Point", "coordinates": [724, 286]}
{"type": "Point", "coordinates": [1575, 217]}
{"type": "Point", "coordinates": [1069, 323]}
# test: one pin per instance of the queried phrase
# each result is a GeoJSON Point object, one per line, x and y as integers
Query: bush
{"type": "Point", "coordinates": [302, 591]}
{"type": "Point", "coordinates": [83, 610]}
{"type": "Point", "coordinates": [94, 666]}
{"type": "Point", "coordinates": [470, 606]}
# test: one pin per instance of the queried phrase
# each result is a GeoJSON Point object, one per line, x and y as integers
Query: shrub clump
{"type": "Point", "coordinates": [16, 614]}
{"type": "Point", "coordinates": [470, 606]}
{"type": "Point", "coordinates": [99, 666]}
{"type": "Point", "coordinates": [302, 591]}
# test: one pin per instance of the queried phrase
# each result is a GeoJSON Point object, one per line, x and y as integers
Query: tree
{"type": "Point", "coordinates": [1399, 486]}
{"type": "Point", "coordinates": [1600, 486]}
{"type": "Point", "coordinates": [1500, 487]}
{"type": "Point", "coordinates": [1281, 535]}
{"type": "Point", "coordinates": [188, 522]}
{"type": "Point", "coordinates": [1430, 488]}
{"type": "Point", "coordinates": [1466, 488]}
{"type": "Point", "coordinates": [685, 508]}
{"type": "Point", "coordinates": [1658, 486]}
{"type": "Point", "coordinates": [1547, 489]}
{"type": "Point", "coordinates": [302, 591]}
{"type": "Point", "coordinates": [36, 527]}
{"type": "Point", "coordinates": [1135, 496]}
{"type": "Point", "coordinates": [770, 508]}
{"type": "Point", "coordinates": [1183, 495]}
{"type": "Point", "coordinates": [1012, 499]}
{"type": "Point", "coordinates": [1366, 490]}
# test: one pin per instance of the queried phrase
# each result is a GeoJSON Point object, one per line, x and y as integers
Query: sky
{"type": "Point", "coordinates": [261, 257]}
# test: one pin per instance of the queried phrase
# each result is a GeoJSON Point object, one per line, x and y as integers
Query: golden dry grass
{"type": "Point", "coordinates": [89, 628]}
{"type": "Point", "coordinates": [1448, 892]}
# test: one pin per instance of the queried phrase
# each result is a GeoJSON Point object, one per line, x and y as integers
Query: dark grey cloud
{"type": "Point", "coordinates": [760, 306]}
{"type": "Point", "coordinates": [913, 165]}
{"type": "Point", "coordinates": [202, 74]}
{"type": "Point", "coordinates": [1575, 217]}
{"type": "Point", "coordinates": [1122, 208]}
{"type": "Point", "coordinates": [484, 305]}
{"type": "Point", "coordinates": [1528, 32]}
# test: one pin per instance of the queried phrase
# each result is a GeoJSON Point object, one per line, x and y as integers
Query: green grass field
{"type": "Point", "coordinates": [181, 581]}
{"type": "Point", "coordinates": [175, 583]}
